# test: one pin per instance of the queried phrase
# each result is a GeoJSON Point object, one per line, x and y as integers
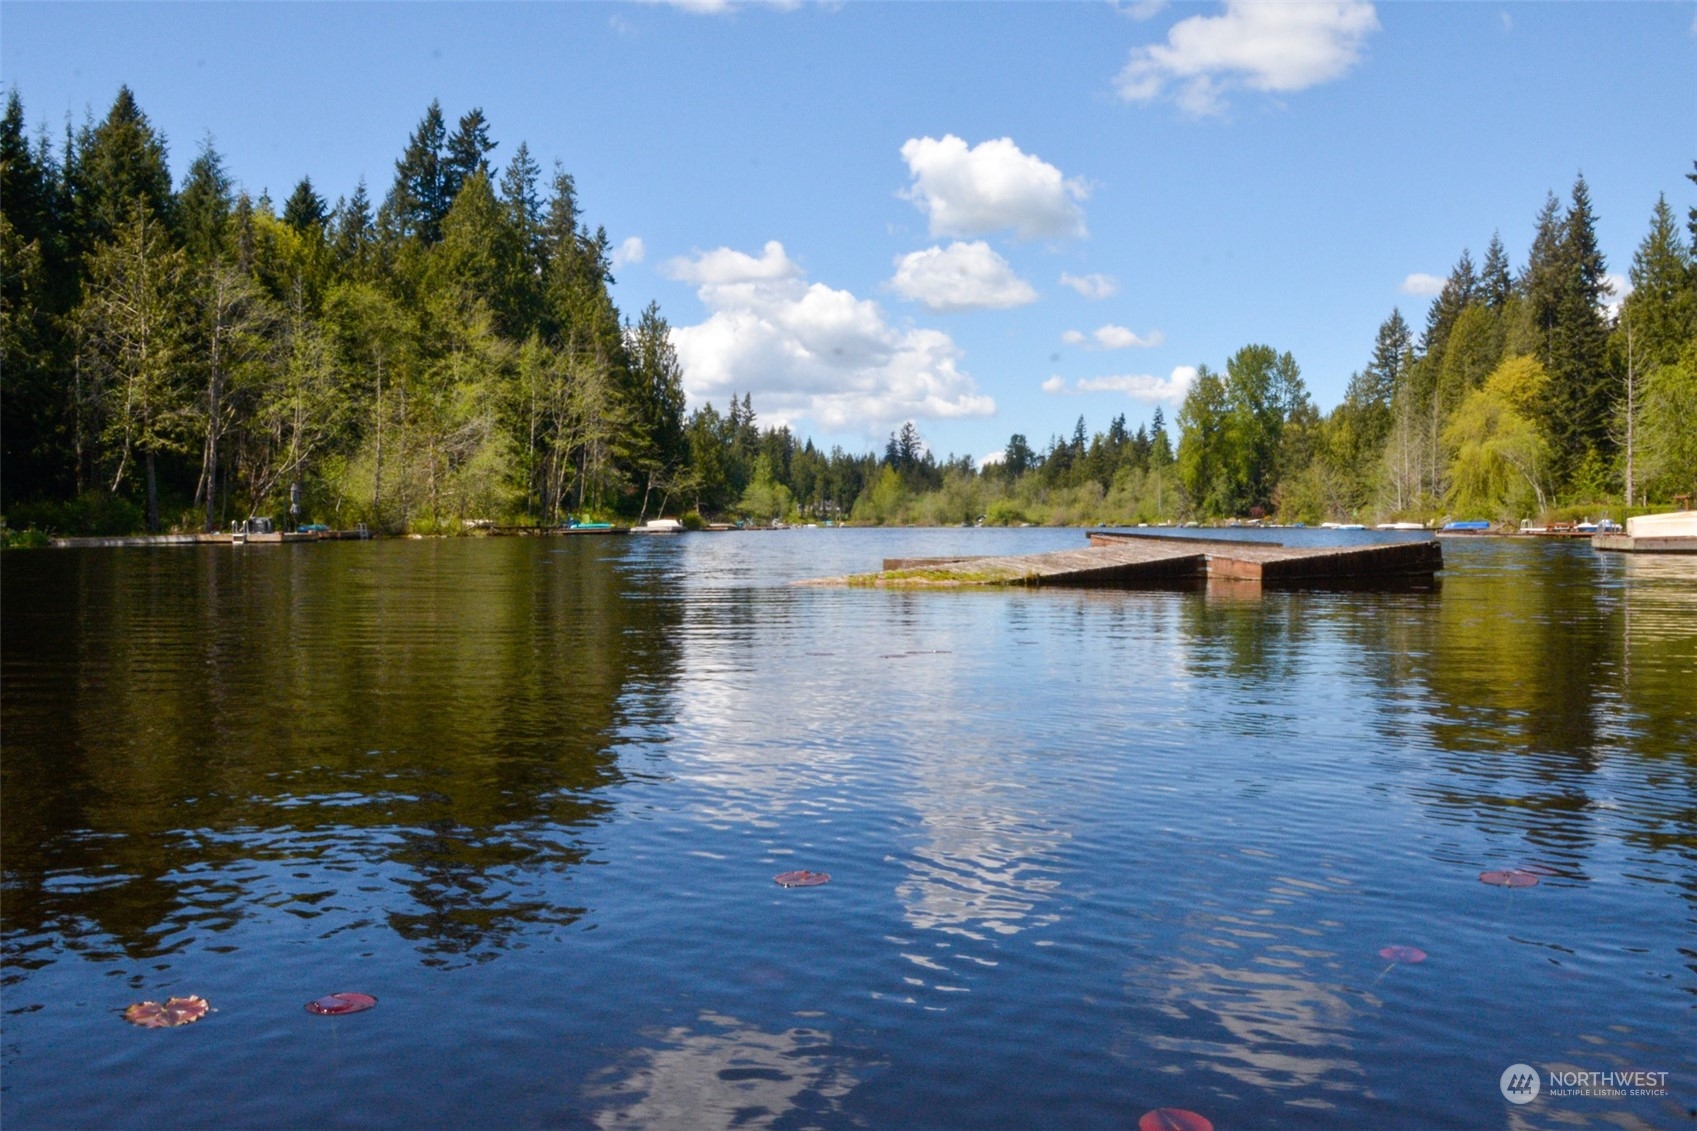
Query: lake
{"type": "Point", "coordinates": [1091, 853]}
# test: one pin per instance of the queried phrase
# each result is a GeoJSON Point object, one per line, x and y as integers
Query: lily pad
{"type": "Point", "coordinates": [175, 1011]}
{"type": "Point", "coordinates": [1513, 878]}
{"type": "Point", "coordinates": [334, 1005]}
{"type": "Point", "coordinates": [801, 879]}
{"type": "Point", "coordinates": [1403, 954]}
{"type": "Point", "coordinates": [1173, 1119]}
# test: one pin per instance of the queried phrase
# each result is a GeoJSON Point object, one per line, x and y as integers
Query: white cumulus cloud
{"type": "Point", "coordinates": [962, 276]}
{"type": "Point", "coordinates": [808, 350]}
{"type": "Point", "coordinates": [1139, 386]}
{"type": "Point", "coordinates": [726, 266]}
{"type": "Point", "coordinates": [1422, 284]}
{"type": "Point", "coordinates": [1091, 286]}
{"type": "Point", "coordinates": [1055, 385]}
{"type": "Point", "coordinates": [1271, 47]}
{"type": "Point", "coordinates": [629, 250]}
{"type": "Point", "coordinates": [991, 187]}
{"type": "Point", "coordinates": [1112, 337]}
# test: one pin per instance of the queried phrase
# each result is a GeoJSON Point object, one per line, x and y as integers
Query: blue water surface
{"type": "Point", "coordinates": [1091, 853]}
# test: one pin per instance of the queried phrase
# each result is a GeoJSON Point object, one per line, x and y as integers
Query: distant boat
{"type": "Point", "coordinates": [659, 526]}
{"type": "Point", "coordinates": [1401, 526]}
{"type": "Point", "coordinates": [1469, 526]}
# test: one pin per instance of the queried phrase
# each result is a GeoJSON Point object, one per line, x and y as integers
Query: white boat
{"type": "Point", "coordinates": [659, 526]}
{"type": "Point", "coordinates": [1401, 526]}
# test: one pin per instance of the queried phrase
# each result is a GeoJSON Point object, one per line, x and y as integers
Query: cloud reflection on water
{"type": "Point", "coordinates": [724, 1074]}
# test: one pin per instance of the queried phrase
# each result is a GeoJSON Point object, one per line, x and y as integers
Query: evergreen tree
{"type": "Point", "coordinates": [203, 205]}
{"type": "Point", "coordinates": [305, 209]}
{"type": "Point", "coordinates": [119, 163]}
{"type": "Point", "coordinates": [1459, 290]}
{"type": "Point", "coordinates": [466, 154]}
{"type": "Point", "coordinates": [480, 257]}
{"type": "Point", "coordinates": [27, 189]}
{"type": "Point", "coordinates": [1475, 347]}
{"type": "Point", "coordinates": [353, 231]}
{"type": "Point", "coordinates": [419, 199]}
{"type": "Point", "coordinates": [659, 377]}
{"type": "Point", "coordinates": [1386, 372]}
{"type": "Point", "coordinates": [1496, 286]}
{"type": "Point", "coordinates": [1017, 457]}
{"type": "Point", "coordinates": [1658, 322]}
{"type": "Point", "coordinates": [1662, 308]}
{"type": "Point", "coordinates": [1581, 389]}
{"type": "Point", "coordinates": [1160, 445]}
{"type": "Point", "coordinates": [527, 217]}
{"type": "Point", "coordinates": [35, 291]}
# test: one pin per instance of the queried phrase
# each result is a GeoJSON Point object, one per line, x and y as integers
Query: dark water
{"type": "Point", "coordinates": [1092, 853]}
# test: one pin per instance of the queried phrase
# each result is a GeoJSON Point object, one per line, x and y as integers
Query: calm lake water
{"type": "Point", "coordinates": [1092, 853]}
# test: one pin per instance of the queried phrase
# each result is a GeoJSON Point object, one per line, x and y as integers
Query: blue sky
{"type": "Point", "coordinates": [987, 218]}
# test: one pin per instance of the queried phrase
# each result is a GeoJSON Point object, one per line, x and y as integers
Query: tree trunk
{"type": "Point", "coordinates": [152, 497]}
{"type": "Point", "coordinates": [377, 466]}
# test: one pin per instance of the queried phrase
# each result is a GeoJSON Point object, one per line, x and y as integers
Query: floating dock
{"type": "Point", "coordinates": [1673, 533]}
{"type": "Point", "coordinates": [1128, 561]}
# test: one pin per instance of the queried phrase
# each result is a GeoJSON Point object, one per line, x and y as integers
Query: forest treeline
{"type": "Point", "coordinates": [183, 356]}
{"type": "Point", "coordinates": [188, 355]}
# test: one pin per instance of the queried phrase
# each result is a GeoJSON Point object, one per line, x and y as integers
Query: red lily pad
{"type": "Point", "coordinates": [175, 1011]}
{"type": "Point", "coordinates": [1403, 954]}
{"type": "Point", "coordinates": [1173, 1119]}
{"type": "Point", "coordinates": [334, 1005]}
{"type": "Point", "coordinates": [801, 879]}
{"type": "Point", "coordinates": [1514, 878]}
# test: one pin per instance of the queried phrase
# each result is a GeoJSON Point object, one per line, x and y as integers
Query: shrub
{"type": "Point", "coordinates": [91, 513]}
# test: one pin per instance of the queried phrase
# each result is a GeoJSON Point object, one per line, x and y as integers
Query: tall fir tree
{"type": "Point", "coordinates": [1661, 311]}
{"type": "Point", "coordinates": [203, 205]}
{"type": "Point", "coordinates": [35, 291]}
{"type": "Point", "coordinates": [1582, 388]}
{"type": "Point", "coordinates": [1496, 282]}
{"type": "Point", "coordinates": [353, 232]}
{"type": "Point", "coordinates": [305, 209]}
{"type": "Point", "coordinates": [466, 153]}
{"type": "Point", "coordinates": [120, 162]}
{"type": "Point", "coordinates": [418, 200]}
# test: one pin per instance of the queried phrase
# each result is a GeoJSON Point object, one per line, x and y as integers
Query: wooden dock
{"type": "Point", "coordinates": [1127, 561]}
{"type": "Point", "coordinates": [1671, 533]}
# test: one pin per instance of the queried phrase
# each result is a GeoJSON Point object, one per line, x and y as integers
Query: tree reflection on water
{"type": "Point", "coordinates": [190, 730]}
